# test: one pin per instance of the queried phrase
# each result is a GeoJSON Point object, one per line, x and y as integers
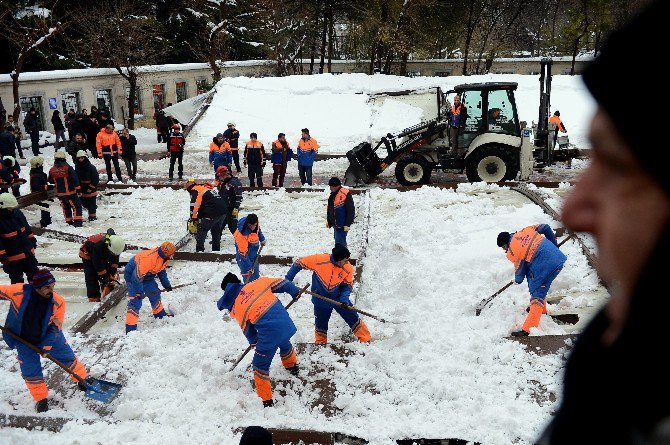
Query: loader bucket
{"type": "Point", "coordinates": [364, 165]}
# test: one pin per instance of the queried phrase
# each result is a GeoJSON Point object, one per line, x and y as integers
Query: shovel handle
{"type": "Point", "coordinates": [40, 352]}
{"type": "Point", "coordinates": [344, 306]}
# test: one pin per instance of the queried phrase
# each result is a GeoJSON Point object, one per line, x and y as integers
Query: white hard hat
{"type": "Point", "coordinates": [8, 201]}
{"type": "Point", "coordinates": [59, 155]}
{"type": "Point", "coordinates": [9, 158]}
{"type": "Point", "coordinates": [231, 124]}
{"type": "Point", "coordinates": [116, 244]}
{"type": "Point", "coordinates": [81, 154]}
{"type": "Point", "coordinates": [36, 161]}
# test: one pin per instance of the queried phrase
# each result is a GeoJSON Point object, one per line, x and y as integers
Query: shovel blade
{"type": "Point", "coordinates": [101, 390]}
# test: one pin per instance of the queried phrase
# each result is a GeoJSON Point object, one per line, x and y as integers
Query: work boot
{"type": "Point", "coordinates": [520, 333]}
{"type": "Point", "coordinates": [42, 406]}
{"type": "Point", "coordinates": [294, 370]}
{"type": "Point", "coordinates": [268, 403]}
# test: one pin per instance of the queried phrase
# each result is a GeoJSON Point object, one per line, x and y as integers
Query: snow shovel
{"type": "Point", "coordinates": [350, 308]}
{"type": "Point", "coordinates": [146, 294]}
{"type": "Point", "coordinates": [482, 304]}
{"type": "Point", "coordinates": [253, 267]}
{"type": "Point", "coordinates": [246, 351]}
{"type": "Point", "coordinates": [97, 389]}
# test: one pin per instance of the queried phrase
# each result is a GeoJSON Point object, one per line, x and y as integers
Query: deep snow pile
{"type": "Point", "coordinates": [336, 110]}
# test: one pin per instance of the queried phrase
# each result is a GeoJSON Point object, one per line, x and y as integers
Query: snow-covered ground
{"type": "Point", "coordinates": [436, 371]}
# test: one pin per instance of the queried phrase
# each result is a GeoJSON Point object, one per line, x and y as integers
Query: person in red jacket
{"type": "Point", "coordinates": [36, 315]}
{"type": "Point", "coordinates": [109, 148]}
{"type": "Point", "coordinates": [67, 189]}
{"type": "Point", "coordinates": [175, 146]}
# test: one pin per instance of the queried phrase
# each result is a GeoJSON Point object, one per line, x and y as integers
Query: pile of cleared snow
{"type": "Point", "coordinates": [337, 112]}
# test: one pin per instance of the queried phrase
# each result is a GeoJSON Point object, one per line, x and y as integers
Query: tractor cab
{"type": "Point", "coordinates": [490, 108]}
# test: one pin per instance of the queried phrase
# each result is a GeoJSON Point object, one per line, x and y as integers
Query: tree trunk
{"type": "Point", "coordinates": [331, 35]}
{"type": "Point", "coordinates": [15, 93]}
{"type": "Point", "coordinates": [324, 34]}
{"type": "Point", "coordinates": [216, 69]}
{"type": "Point", "coordinates": [315, 33]}
{"type": "Point", "coordinates": [468, 37]}
{"type": "Point", "coordinates": [403, 64]}
{"type": "Point", "coordinates": [132, 83]}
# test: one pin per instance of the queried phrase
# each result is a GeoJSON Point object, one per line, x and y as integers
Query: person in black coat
{"type": "Point", "coordinates": [59, 129]}
{"type": "Point", "coordinates": [14, 168]}
{"type": "Point", "coordinates": [39, 182]}
{"type": "Point", "coordinates": [70, 120]}
{"type": "Point", "coordinates": [128, 153]}
{"type": "Point", "coordinates": [88, 182]}
{"type": "Point", "coordinates": [32, 126]}
{"type": "Point", "coordinates": [16, 130]}
{"type": "Point", "coordinates": [615, 385]}
{"type": "Point", "coordinates": [162, 126]}
{"type": "Point", "coordinates": [233, 136]}
{"type": "Point", "coordinates": [7, 142]}
{"type": "Point", "coordinates": [91, 130]}
{"type": "Point", "coordinates": [76, 144]}
{"type": "Point", "coordinates": [17, 242]}
{"type": "Point", "coordinates": [100, 257]}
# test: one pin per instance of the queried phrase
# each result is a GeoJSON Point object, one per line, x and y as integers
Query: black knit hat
{"type": "Point", "coordinates": [230, 278]}
{"type": "Point", "coordinates": [334, 181]}
{"type": "Point", "coordinates": [340, 252]}
{"type": "Point", "coordinates": [503, 239]}
{"type": "Point", "coordinates": [256, 435]}
{"type": "Point", "coordinates": [608, 82]}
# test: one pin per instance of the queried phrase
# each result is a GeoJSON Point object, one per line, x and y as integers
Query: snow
{"type": "Point", "coordinates": [435, 371]}
{"type": "Point", "coordinates": [337, 112]}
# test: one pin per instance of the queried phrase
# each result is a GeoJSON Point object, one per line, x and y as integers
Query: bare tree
{"type": "Point", "coordinates": [29, 29]}
{"type": "Point", "coordinates": [119, 36]}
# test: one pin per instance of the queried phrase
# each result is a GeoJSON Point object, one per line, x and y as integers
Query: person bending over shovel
{"type": "Point", "coordinates": [36, 315]}
{"type": "Point", "coordinates": [332, 277]}
{"type": "Point", "coordinates": [536, 257]}
{"type": "Point", "coordinates": [265, 323]}
{"type": "Point", "coordinates": [140, 274]}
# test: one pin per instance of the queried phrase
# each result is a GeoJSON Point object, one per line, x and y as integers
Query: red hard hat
{"type": "Point", "coordinates": [221, 170]}
{"type": "Point", "coordinates": [175, 127]}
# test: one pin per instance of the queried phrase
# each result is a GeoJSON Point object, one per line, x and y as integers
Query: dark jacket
{"type": "Point", "coordinates": [341, 209]}
{"type": "Point", "coordinates": [233, 137]}
{"type": "Point", "coordinates": [617, 393]}
{"type": "Point", "coordinates": [128, 146]}
{"type": "Point", "coordinates": [65, 179]}
{"type": "Point", "coordinates": [91, 130]}
{"type": "Point", "coordinates": [38, 180]}
{"type": "Point", "coordinates": [31, 123]}
{"type": "Point", "coordinates": [88, 178]}
{"type": "Point", "coordinates": [16, 238]}
{"type": "Point", "coordinates": [162, 121]}
{"type": "Point", "coordinates": [57, 122]}
{"type": "Point", "coordinates": [97, 252]}
{"type": "Point", "coordinates": [73, 147]}
{"type": "Point", "coordinates": [7, 144]}
{"type": "Point", "coordinates": [231, 191]}
{"type": "Point", "coordinates": [206, 202]}
{"type": "Point", "coordinates": [255, 155]}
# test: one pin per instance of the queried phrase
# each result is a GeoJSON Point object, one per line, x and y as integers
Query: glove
{"type": "Point", "coordinates": [264, 243]}
{"type": "Point", "coordinates": [168, 288]}
{"type": "Point", "coordinates": [192, 226]}
{"type": "Point", "coordinates": [345, 228]}
{"type": "Point", "coordinates": [347, 304]}
{"type": "Point", "coordinates": [235, 212]}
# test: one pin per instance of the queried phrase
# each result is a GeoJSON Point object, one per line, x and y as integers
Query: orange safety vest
{"type": "Point", "coordinates": [523, 245]}
{"type": "Point", "coordinates": [254, 144]}
{"type": "Point", "coordinates": [149, 262]}
{"type": "Point", "coordinates": [219, 149]}
{"type": "Point", "coordinates": [242, 241]}
{"type": "Point", "coordinates": [310, 144]}
{"type": "Point", "coordinates": [104, 139]}
{"type": "Point", "coordinates": [199, 190]}
{"type": "Point", "coordinates": [14, 294]}
{"type": "Point", "coordinates": [330, 275]}
{"type": "Point", "coordinates": [254, 300]}
{"type": "Point", "coordinates": [559, 124]}
{"type": "Point", "coordinates": [340, 197]}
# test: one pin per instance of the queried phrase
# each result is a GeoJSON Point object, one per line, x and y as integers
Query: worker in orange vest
{"type": "Point", "coordinates": [109, 148]}
{"type": "Point", "coordinates": [140, 274]}
{"type": "Point", "coordinates": [264, 322]}
{"type": "Point", "coordinates": [254, 159]}
{"type": "Point", "coordinates": [556, 119]}
{"type": "Point", "coordinates": [308, 148]}
{"type": "Point", "coordinates": [536, 257]}
{"type": "Point", "coordinates": [341, 211]}
{"type": "Point", "coordinates": [332, 277]}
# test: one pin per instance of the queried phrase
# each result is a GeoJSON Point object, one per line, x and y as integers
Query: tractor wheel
{"type": "Point", "coordinates": [412, 170]}
{"type": "Point", "coordinates": [492, 163]}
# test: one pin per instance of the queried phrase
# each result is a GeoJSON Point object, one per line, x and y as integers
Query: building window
{"type": "Point", "coordinates": [103, 100]}
{"type": "Point", "coordinates": [33, 102]}
{"type": "Point", "coordinates": [180, 88]}
{"type": "Point", "coordinates": [137, 105]}
{"type": "Point", "coordinates": [70, 101]}
{"type": "Point", "coordinates": [158, 91]}
{"type": "Point", "coordinates": [442, 73]}
{"type": "Point", "coordinates": [201, 86]}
